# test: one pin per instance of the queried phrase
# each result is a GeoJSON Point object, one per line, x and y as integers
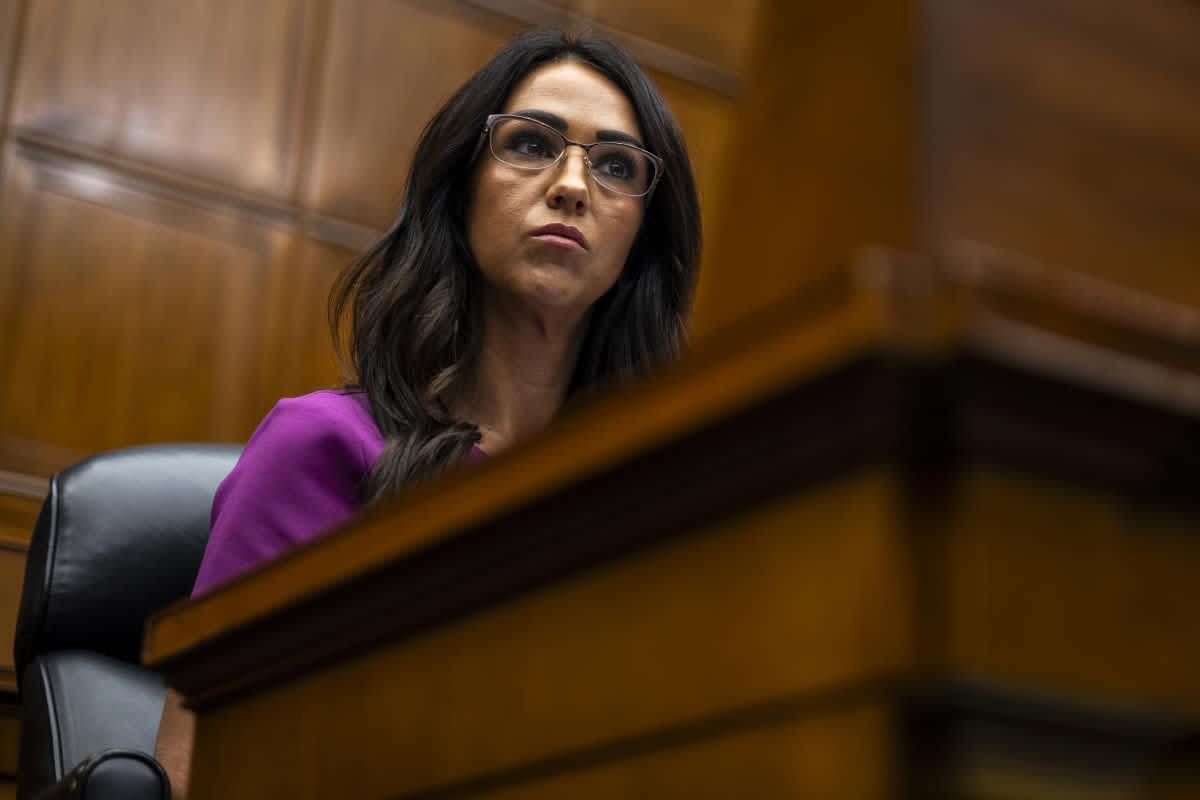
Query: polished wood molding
{"type": "Point", "coordinates": [66, 155]}
{"type": "Point", "coordinates": [28, 459]}
{"type": "Point", "coordinates": [12, 545]}
{"type": "Point", "coordinates": [1024, 736]}
{"type": "Point", "coordinates": [20, 485]}
{"type": "Point", "coordinates": [646, 52]}
{"type": "Point", "coordinates": [92, 164]}
{"type": "Point", "coordinates": [340, 232]}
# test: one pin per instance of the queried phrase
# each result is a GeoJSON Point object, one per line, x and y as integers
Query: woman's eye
{"type": "Point", "coordinates": [615, 166]}
{"type": "Point", "coordinates": [530, 144]}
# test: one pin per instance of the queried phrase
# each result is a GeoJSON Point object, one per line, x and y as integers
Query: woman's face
{"type": "Point", "coordinates": [510, 207]}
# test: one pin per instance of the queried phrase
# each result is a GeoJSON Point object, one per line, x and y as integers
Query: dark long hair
{"type": "Point", "coordinates": [411, 304]}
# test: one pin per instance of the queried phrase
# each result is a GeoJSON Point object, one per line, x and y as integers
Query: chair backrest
{"type": "Point", "coordinates": [119, 536]}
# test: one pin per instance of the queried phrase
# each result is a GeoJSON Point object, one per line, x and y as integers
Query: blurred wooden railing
{"type": "Point", "coordinates": [857, 547]}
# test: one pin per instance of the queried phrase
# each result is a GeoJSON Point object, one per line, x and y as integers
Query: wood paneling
{"type": "Point", "coordinates": [804, 757]}
{"type": "Point", "coordinates": [298, 351]}
{"type": "Point", "coordinates": [707, 119]}
{"type": "Point", "coordinates": [715, 30]}
{"type": "Point", "coordinates": [807, 335]}
{"type": "Point", "coordinates": [9, 738]}
{"type": "Point", "coordinates": [12, 576]}
{"type": "Point", "coordinates": [209, 88]}
{"type": "Point", "coordinates": [821, 162]}
{"type": "Point", "coordinates": [10, 743]}
{"type": "Point", "coordinates": [174, 140]}
{"type": "Point", "coordinates": [9, 746]}
{"type": "Point", "coordinates": [1072, 591]}
{"type": "Point", "coordinates": [11, 18]}
{"type": "Point", "coordinates": [128, 317]}
{"type": "Point", "coordinates": [17, 515]}
{"type": "Point", "coordinates": [1066, 131]}
{"type": "Point", "coordinates": [842, 528]}
{"type": "Point", "coordinates": [1070, 130]}
{"type": "Point", "coordinates": [773, 607]}
{"type": "Point", "coordinates": [390, 64]}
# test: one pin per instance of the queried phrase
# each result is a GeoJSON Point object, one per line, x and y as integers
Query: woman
{"type": "Point", "coordinates": [546, 246]}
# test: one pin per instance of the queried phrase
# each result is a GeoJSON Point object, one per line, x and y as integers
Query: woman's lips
{"type": "Point", "coordinates": [555, 240]}
{"type": "Point", "coordinates": [567, 237]}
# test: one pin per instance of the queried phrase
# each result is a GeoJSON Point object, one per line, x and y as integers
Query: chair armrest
{"type": "Point", "coordinates": [75, 704]}
{"type": "Point", "coordinates": [112, 775]}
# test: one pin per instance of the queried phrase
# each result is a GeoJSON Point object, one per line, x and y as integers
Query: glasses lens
{"type": "Point", "coordinates": [525, 144]}
{"type": "Point", "coordinates": [622, 168]}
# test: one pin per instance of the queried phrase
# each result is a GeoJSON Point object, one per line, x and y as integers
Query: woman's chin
{"type": "Point", "coordinates": [550, 290]}
{"type": "Point", "coordinates": [556, 289]}
{"type": "Point", "coordinates": [556, 299]}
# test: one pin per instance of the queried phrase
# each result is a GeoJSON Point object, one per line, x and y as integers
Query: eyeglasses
{"type": "Point", "coordinates": [526, 143]}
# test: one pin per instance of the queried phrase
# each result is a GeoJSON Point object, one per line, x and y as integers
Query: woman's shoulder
{"type": "Point", "coordinates": [328, 419]}
{"type": "Point", "coordinates": [329, 405]}
{"type": "Point", "coordinates": [299, 475]}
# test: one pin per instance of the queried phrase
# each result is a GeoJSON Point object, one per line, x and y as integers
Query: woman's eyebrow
{"type": "Point", "coordinates": [560, 124]}
{"type": "Point", "coordinates": [553, 120]}
{"type": "Point", "coordinates": [618, 136]}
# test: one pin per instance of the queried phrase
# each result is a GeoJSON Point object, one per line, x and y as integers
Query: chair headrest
{"type": "Point", "coordinates": [119, 536]}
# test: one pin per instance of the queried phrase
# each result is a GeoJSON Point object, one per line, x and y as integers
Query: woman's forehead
{"type": "Point", "coordinates": [587, 100]}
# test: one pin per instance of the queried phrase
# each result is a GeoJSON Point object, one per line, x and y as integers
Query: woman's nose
{"type": "Point", "coordinates": [569, 188]}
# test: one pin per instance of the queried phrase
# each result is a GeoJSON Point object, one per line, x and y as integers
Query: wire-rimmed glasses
{"type": "Point", "coordinates": [527, 143]}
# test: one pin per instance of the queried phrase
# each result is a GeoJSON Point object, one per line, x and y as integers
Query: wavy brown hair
{"type": "Point", "coordinates": [410, 306]}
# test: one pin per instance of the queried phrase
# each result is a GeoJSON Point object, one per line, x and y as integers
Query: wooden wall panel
{"type": "Point", "coordinates": [18, 513]}
{"type": "Point", "coordinates": [716, 31]}
{"type": "Point", "coordinates": [707, 119]}
{"type": "Point", "coordinates": [11, 17]}
{"type": "Point", "coordinates": [1111, 631]}
{"type": "Point", "coordinates": [819, 164]}
{"type": "Point", "coordinates": [299, 349]}
{"type": "Point", "coordinates": [1069, 130]}
{"type": "Point", "coordinates": [128, 316]}
{"type": "Point", "coordinates": [10, 746]}
{"type": "Point", "coordinates": [807, 757]}
{"type": "Point", "coordinates": [389, 65]}
{"type": "Point", "coordinates": [212, 88]}
{"type": "Point", "coordinates": [773, 610]}
{"type": "Point", "coordinates": [12, 575]}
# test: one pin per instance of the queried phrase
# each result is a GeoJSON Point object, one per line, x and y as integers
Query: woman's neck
{"type": "Point", "coordinates": [521, 380]}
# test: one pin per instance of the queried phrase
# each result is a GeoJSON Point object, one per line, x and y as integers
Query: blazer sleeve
{"type": "Point", "coordinates": [299, 476]}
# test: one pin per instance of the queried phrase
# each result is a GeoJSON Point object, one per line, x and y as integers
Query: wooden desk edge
{"type": "Point", "coordinates": [827, 328]}
{"type": "Point", "coordinates": [802, 337]}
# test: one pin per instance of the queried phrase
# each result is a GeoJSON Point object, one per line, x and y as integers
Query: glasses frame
{"type": "Point", "coordinates": [492, 119]}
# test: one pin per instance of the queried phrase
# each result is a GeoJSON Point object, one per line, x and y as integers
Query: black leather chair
{"type": "Point", "coordinates": [119, 536]}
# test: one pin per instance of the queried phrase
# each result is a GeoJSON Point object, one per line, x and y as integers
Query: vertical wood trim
{"type": "Point", "coordinates": [825, 184]}
{"type": "Point", "coordinates": [14, 60]}
{"type": "Point", "coordinates": [274, 361]}
{"type": "Point", "coordinates": [17, 47]}
{"type": "Point", "coordinates": [318, 14]}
